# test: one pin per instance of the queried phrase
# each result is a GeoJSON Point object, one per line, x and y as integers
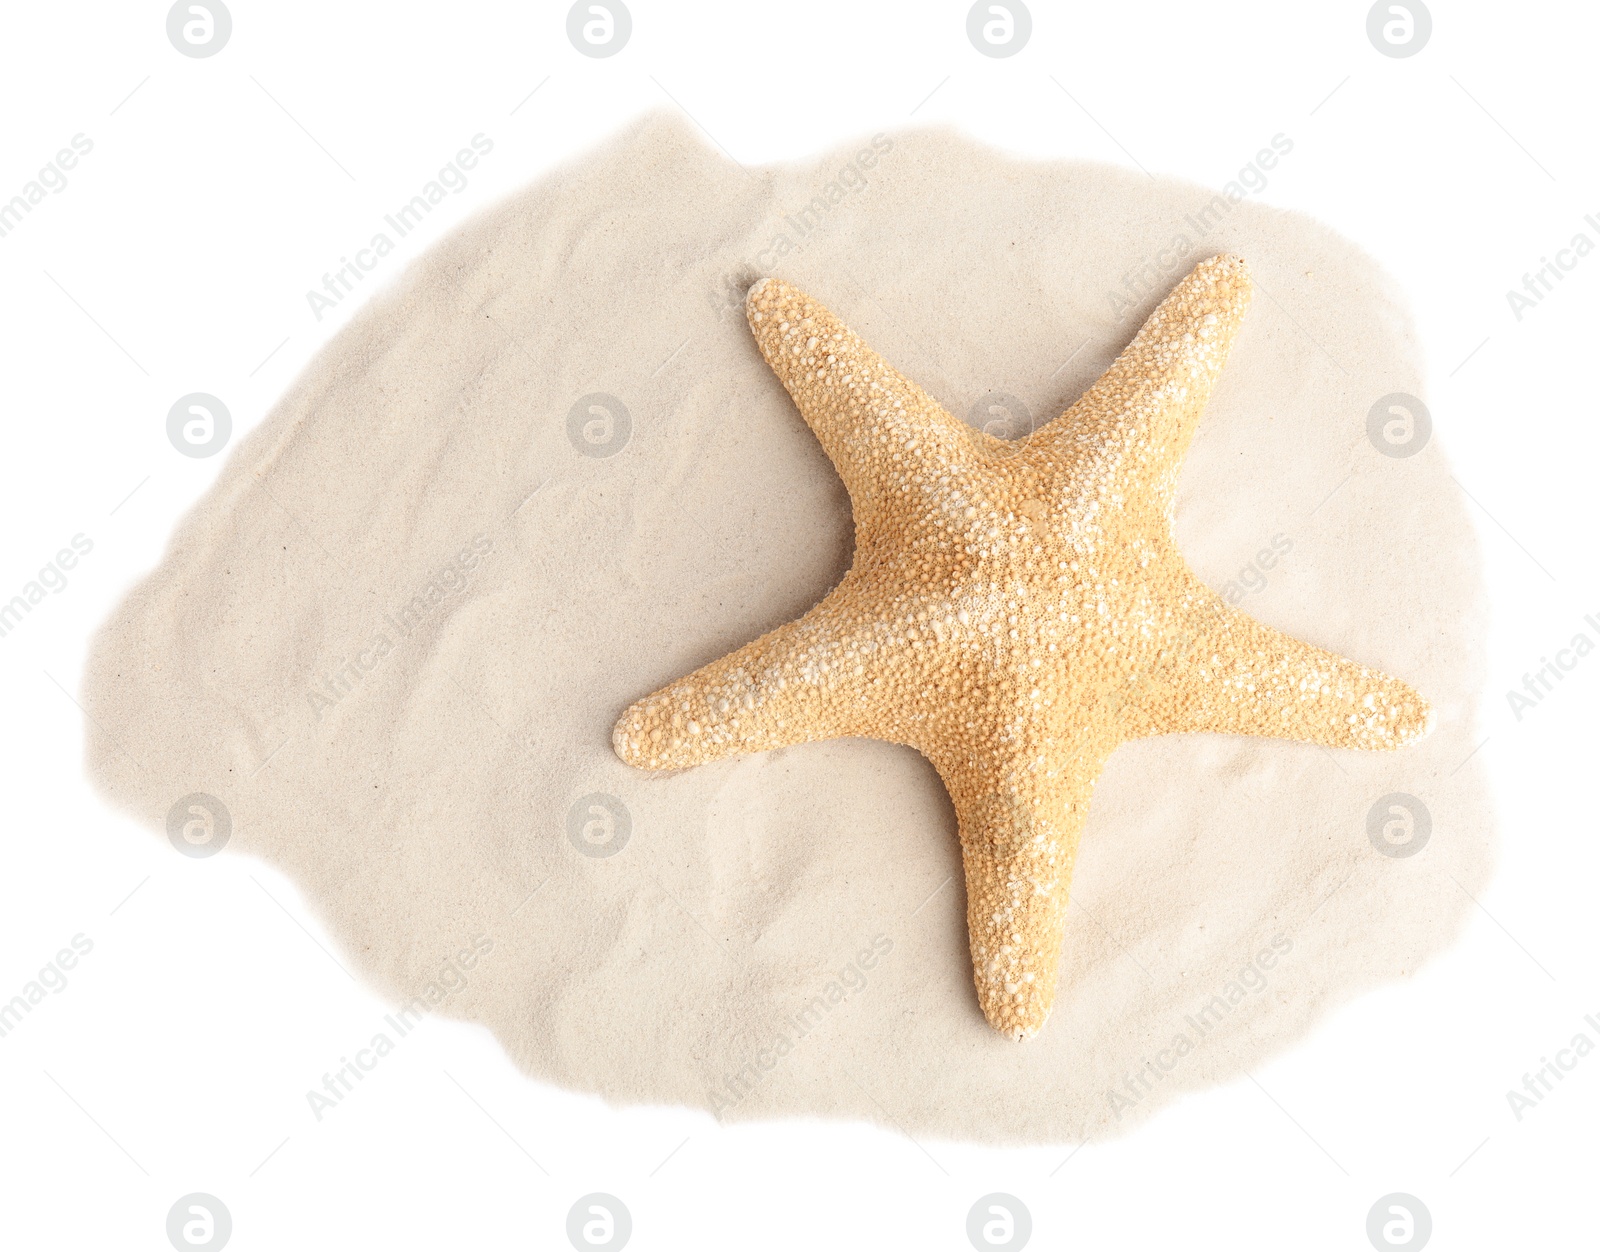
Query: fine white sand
{"type": "Point", "coordinates": [785, 935]}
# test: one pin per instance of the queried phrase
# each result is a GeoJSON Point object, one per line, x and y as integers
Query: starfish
{"type": "Point", "coordinates": [1014, 611]}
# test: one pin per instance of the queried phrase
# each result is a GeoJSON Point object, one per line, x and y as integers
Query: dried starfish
{"type": "Point", "coordinates": [1014, 612]}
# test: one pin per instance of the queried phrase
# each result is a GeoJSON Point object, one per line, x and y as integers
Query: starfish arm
{"type": "Point", "coordinates": [1226, 673]}
{"type": "Point", "coordinates": [800, 683]}
{"type": "Point", "coordinates": [877, 426]}
{"type": "Point", "coordinates": [1140, 415]}
{"type": "Point", "coordinates": [1019, 829]}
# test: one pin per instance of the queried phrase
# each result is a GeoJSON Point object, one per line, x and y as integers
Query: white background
{"type": "Point", "coordinates": [177, 260]}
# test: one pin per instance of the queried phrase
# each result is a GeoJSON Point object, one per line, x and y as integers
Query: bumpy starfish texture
{"type": "Point", "coordinates": [1015, 610]}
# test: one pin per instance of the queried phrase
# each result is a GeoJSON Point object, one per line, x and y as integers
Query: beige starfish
{"type": "Point", "coordinates": [1014, 612]}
